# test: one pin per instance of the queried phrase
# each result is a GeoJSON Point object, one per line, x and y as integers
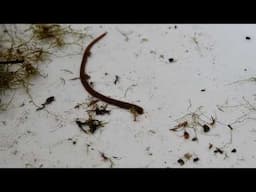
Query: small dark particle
{"type": "Point", "coordinates": [91, 83]}
{"type": "Point", "coordinates": [152, 131]}
{"type": "Point", "coordinates": [210, 146]}
{"type": "Point", "coordinates": [213, 121]}
{"type": "Point", "coordinates": [233, 150]}
{"type": "Point", "coordinates": [115, 157]}
{"type": "Point", "coordinates": [245, 69]}
{"type": "Point", "coordinates": [74, 142]}
{"type": "Point", "coordinates": [101, 111]}
{"type": "Point", "coordinates": [116, 79]}
{"type": "Point", "coordinates": [181, 162]}
{"type": "Point", "coordinates": [161, 56]}
{"type": "Point", "coordinates": [203, 90]}
{"type": "Point", "coordinates": [69, 139]}
{"type": "Point", "coordinates": [186, 135]}
{"type": "Point", "coordinates": [22, 104]}
{"type": "Point", "coordinates": [180, 125]}
{"type": "Point", "coordinates": [194, 139]}
{"type": "Point", "coordinates": [150, 154]}
{"type": "Point", "coordinates": [206, 128]}
{"type": "Point", "coordinates": [171, 60]}
{"type": "Point", "coordinates": [106, 73]}
{"type": "Point", "coordinates": [247, 38]}
{"type": "Point", "coordinates": [230, 127]}
{"type": "Point", "coordinates": [104, 157]}
{"type": "Point", "coordinates": [217, 150]}
{"type": "Point", "coordinates": [77, 106]}
{"type": "Point", "coordinates": [175, 27]}
{"type": "Point", "coordinates": [196, 159]}
{"type": "Point", "coordinates": [49, 100]}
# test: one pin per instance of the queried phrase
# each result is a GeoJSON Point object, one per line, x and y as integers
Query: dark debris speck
{"type": "Point", "coordinates": [181, 161]}
{"type": "Point", "coordinates": [171, 60]}
{"type": "Point", "coordinates": [194, 139]}
{"type": "Point", "coordinates": [230, 127]}
{"type": "Point", "coordinates": [206, 128]}
{"type": "Point", "coordinates": [186, 135]}
{"type": "Point", "coordinates": [233, 150]}
{"type": "Point", "coordinates": [218, 150]}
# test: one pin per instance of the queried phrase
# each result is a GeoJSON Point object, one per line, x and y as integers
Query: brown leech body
{"type": "Point", "coordinates": [84, 79]}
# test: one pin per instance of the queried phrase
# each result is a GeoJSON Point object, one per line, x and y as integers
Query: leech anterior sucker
{"type": "Point", "coordinates": [85, 77]}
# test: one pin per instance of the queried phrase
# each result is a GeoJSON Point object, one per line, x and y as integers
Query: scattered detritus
{"type": "Point", "coordinates": [249, 114]}
{"type": "Point", "coordinates": [180, 125]}
{"type": "Point", "coordinates": [181, 162]}
{"type": "Point", "coordinates": [186, 135]}
{"type": "Point", "coordinates": [48, 101]}
{"type": "Point", "coordinates": [93, 125]}
{"type": "Point", "coordinates": [102, 110]}
{"type": "Point", "coordinates": [93, 102]}
{"type": "Point", "coordinates": [233, 150]}
{"type": "Point", "coordinates": [105, 158]}
{"type": "Point", "coordinates": [116, 79]}
{"type": "Point", "coordinates": [213, 121]}
{"type": "Point", "coordinates": [194, 139]}
{"type": "Point", "coordinates": [23, 48]}
{"type": "Point", "coordinates": [187, 157]}
{"type": "Point", "coordinates": [248, 38]}
{"type": "Point", "coordinates": [251, 79]}
{"type": "Point", "coordinates": [230, 127]}
{"type": "Point", "coordinates": [171, 60]}
{"type": "Point", "coordinates": [98, 110]}
{"type": "Point", "coordinates": [193, 121]}
{"type": "Point", "coordinates": [206, 128]}
{"type": "Point", "coordinates": [218, 150]}
{"type": "Point", "coordinates": [221, 150]}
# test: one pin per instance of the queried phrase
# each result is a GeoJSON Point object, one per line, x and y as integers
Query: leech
{"type": "Point", "coordinates": [84, 77]}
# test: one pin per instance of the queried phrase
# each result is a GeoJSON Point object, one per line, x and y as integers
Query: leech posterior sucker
{"type": "Point", "coordinates": [84, 77]}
